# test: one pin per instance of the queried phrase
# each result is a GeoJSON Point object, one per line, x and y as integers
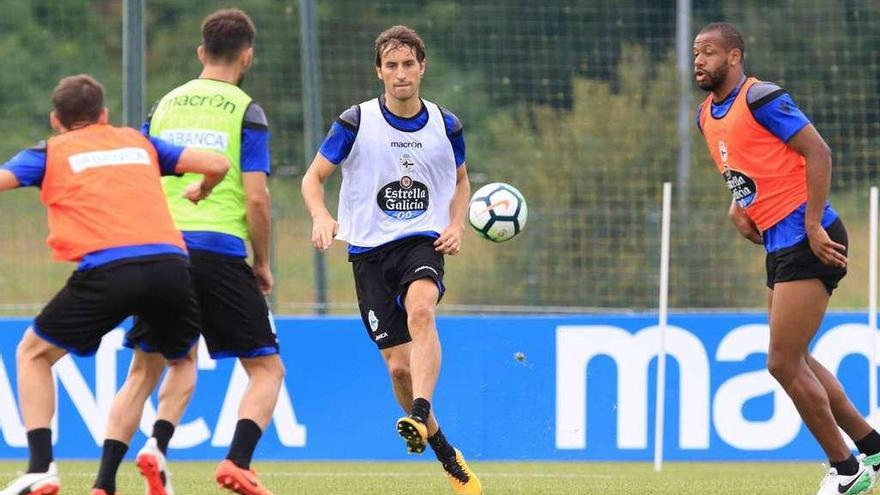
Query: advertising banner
{"type": "Point", "coordinates": [513, 387]}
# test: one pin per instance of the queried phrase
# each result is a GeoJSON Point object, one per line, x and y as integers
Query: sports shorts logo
{"type": "Point", "coordinates": [426, 267]}
{"type": "Point", "coordinates": [374, 322]}
{"type": "Point", "coordinates": [403, 199]}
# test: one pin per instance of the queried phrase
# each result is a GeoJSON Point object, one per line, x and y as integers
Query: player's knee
{"type": "Point", "coordinates": [420, 316]}
{"type": "Point", "coordinates": [145, 371]}
{"type": "Point", "coordinates": [185, 365]}
{"type": "Point", "coordinates": [269, 368]}
{"type": "Point", "coordinates": [781, 367]}
{"type": "Point", "coordinates": [183, 371]}
{"type": "Point", "coordinates": [399, 371]}
{"type": "Point", "coordinates": [275, 369]}
{"type": "Point", "coordinates": [31, 348]}
{"type": "Point", "coordinates": [186, 361]}
{"type": "Point", "coordinates": [397, 362]}
{"type": "Point", "coordinates": [24, 351]}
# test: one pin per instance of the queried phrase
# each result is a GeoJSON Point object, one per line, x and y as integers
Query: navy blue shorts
{"type": "Point", "coordinates": [382, 277]}
{"type": "Point", "coordinates": [155, 289]}
{"type": "Point", "coordinates": [235, 318]}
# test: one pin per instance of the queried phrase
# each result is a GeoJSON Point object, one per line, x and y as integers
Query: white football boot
{"type": "Point", "coordinates": [151, 464]}
{"type": "Point", "coordinates": [35, 483]}
{"type": "Point", "coordinates": [839, 484]}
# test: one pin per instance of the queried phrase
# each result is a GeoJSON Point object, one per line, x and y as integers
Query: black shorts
{"type": "Point", "coordinates": [235, 319]}
{"type": "Point", "coordinates": [157, 289]}
{"type": "Point", "coordinates": [799, 263]}
{"type": "Point", "coordinates": [381, 278]}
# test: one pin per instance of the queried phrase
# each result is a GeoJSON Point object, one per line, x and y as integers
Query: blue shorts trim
{"type": "Point", "coordinates": [126, 342]}
{"type": "Point", "coordinates": [442, 288]}
{"type": "Point", "coordinates": [57, 343]}
{"type": "Point", "coordinates": [178, 355]}
{"type": "Point", "coordinates": [144, 347]}
{"type": "Point", "coordinates": [252, 353]}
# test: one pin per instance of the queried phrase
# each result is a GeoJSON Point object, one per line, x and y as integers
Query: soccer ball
{"type": "Point", "coordinates": [497, 211]}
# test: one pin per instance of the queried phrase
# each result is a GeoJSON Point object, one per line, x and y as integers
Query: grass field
{"type": "Point", "coordinates": [392, 478]}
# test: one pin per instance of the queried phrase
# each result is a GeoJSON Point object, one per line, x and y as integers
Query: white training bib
{"type": "Point", "coordinates": [395, 183]}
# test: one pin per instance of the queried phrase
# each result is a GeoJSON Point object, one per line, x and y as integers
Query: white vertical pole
{"type": "Point", "coordinates": [872, 305]}
{"type": "Point", "coordinates": [662, 317]}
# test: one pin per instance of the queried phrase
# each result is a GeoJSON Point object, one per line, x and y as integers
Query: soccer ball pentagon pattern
{"type": "Point", "coordinates": [498, 211]}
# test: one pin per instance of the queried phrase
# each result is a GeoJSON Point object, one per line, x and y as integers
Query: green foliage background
{"type": "Point", "coordinates": [572, 102]}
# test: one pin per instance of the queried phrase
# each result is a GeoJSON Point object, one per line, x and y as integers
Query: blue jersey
{"type": "Point", "coordinates": [29, 168]}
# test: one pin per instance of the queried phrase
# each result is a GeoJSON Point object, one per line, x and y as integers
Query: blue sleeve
{"type": "Point", "coordinates": [338, 142]}
{"type": "Point", "coordinates": [255, 140]}
{"type": "Point", "coordinates": [455, 133]}
{"type": "Point", "coordinates": [458, 147]}
{"type": "Point", "coordinates": [168, 153]}
{"type": "Point", "coordinates": [781, 117]}
{"type": "Point", "coordinates": [28, 166]}
{"type": "Point", "coordinates": [255, 150]}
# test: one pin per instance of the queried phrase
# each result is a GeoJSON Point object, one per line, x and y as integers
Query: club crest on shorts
{"type": "Point", "coordinates": [374, 322]}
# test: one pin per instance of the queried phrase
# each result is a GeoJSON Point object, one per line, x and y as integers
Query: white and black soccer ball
{"type": "Point", "coordinates": [498, 211]}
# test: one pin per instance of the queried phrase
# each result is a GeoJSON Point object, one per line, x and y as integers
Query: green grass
{"type": "Point", "coordinates": [407, 478]}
